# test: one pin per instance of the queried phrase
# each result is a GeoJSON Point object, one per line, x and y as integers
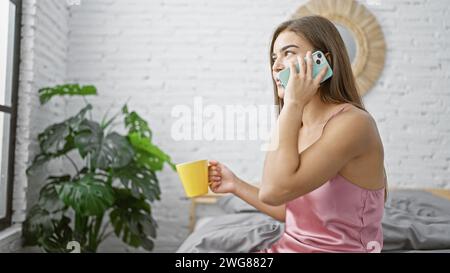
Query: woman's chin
{"type": "Point", "coordinates": [280, 93]}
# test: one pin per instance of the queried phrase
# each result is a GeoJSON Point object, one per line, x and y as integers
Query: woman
{"type": "Point", "coordinates": [326, 178]}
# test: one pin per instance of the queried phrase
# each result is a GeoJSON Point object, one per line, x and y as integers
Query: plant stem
{"type": "Point", "coordinates": [73, 163]}
{"type": "Point", "coordinates": [106, 114]}
{"type": "Point", "coordinates": [104, 125]}
{"type": "Point", "coordinates": [106, 235]}
{"type": "Point", "coordinates": [103, 236]}
{"type": "Point", "coordinates": [95, 240]}
{"type": "Point", "coordinates": [88, 162]}
{"type": "Point", "coordinates": [81, 223]}
{"type": "Point", "coordinates": [87, 103]}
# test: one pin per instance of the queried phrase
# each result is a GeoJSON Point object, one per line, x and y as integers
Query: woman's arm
{"type": "Point", "coordinates": [288, 175]}
{"type": "Point", "coordinates": [223, 180]}
{"type": "Point", "coordinates": [249, 194]}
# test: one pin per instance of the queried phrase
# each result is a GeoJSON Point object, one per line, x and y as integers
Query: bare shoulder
{"type": "Point", "coordinates": [353, 126]}
{"type": "Point", "coordinates": [353, 120]}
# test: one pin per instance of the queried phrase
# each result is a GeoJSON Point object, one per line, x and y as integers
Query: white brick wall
{"type": "Point", "coordinates": [45, 35]}
{"type": "Point", "coordinates": [159, 54]}
{"type": "Point", "coordinates": [43, 62]}
{"type": "Point", "coordinates": [411, 101]}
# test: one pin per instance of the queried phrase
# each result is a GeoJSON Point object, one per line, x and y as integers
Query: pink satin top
{"type": "Point", "coordinates": [339, 216]}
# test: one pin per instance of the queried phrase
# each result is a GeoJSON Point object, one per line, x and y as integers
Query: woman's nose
{"type": "Point", "coordinates": [277, 66]}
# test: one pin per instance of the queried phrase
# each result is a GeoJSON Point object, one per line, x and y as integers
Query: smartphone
{"type": "Point", "coordinates": [319, 62]}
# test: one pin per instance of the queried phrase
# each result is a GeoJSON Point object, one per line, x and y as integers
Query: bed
{"type": "Point", "coordinates": [414, 221]}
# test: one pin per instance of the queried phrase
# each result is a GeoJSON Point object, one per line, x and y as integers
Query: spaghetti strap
{"type": "Point", "coordinates": [335, 114]}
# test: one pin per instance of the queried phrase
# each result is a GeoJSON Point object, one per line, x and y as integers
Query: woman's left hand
{"type": "Point", "coordinates": [301, 85]}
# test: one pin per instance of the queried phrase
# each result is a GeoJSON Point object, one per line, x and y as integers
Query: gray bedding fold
{"type": "Point", "coordinates": [243, 232]}
{"type": "Point", "coordinates": [413, 220]}
{"type": "Point", "coordinates": [416, 220]}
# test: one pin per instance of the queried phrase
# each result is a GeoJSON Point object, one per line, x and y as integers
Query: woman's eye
{"type": "Point", "coordinates": [287, 52]}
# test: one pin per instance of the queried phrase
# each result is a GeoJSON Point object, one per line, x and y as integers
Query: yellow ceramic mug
{"type": "Point", "coordinates": [194, 177]}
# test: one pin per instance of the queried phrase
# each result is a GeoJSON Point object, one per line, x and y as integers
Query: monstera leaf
{"type": "Point", "coordinates": [140, 181]}
{"type": "Point", "coordinates": [140, 137]}
{"type": "Point", "coordinates": [45, 94]}
{"type": "Point", "coordinates": [136, 124]}
{"type": "Point", "coordinates": [39, 223]}
{"type": "Point", "coordinates": [112, 151]}
{"type": "Point", "coordinates": [48, 197]}
{"type": "Point", "coordinates": [61, 236]}
{"type": "Point", "coordinates": [57, 139]}
{"type": "Point", "coordinates": [88, 196]}
{"type": "Point", "coordinates": [75, 121]}
{"type": "Point", "coordinates": [50, 232]}
{"type": "Point", "coordinates": [132, 221]}
{"type": "Point", "coordinates": [89, 137]}
{"type": "Point", "coordinates": [147, 154]}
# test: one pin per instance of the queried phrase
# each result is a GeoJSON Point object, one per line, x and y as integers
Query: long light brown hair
{"type": "Point", "coordinates": [323, 35]}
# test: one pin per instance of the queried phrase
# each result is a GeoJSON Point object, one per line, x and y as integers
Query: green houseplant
{"type": "Point", "coordinates": [117, 179]}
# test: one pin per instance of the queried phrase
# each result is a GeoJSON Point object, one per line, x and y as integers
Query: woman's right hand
{"type": "Point", "coordinates": [221, 179]}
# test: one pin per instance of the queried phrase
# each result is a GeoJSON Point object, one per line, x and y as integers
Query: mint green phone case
{"type": "Point", "coordinates": [317, 67]}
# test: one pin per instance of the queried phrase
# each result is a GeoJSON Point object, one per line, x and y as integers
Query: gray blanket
{"type": "Point", "coordinates": [416, 220]}
{"type": "Point", "coordinates": [413, 220]}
